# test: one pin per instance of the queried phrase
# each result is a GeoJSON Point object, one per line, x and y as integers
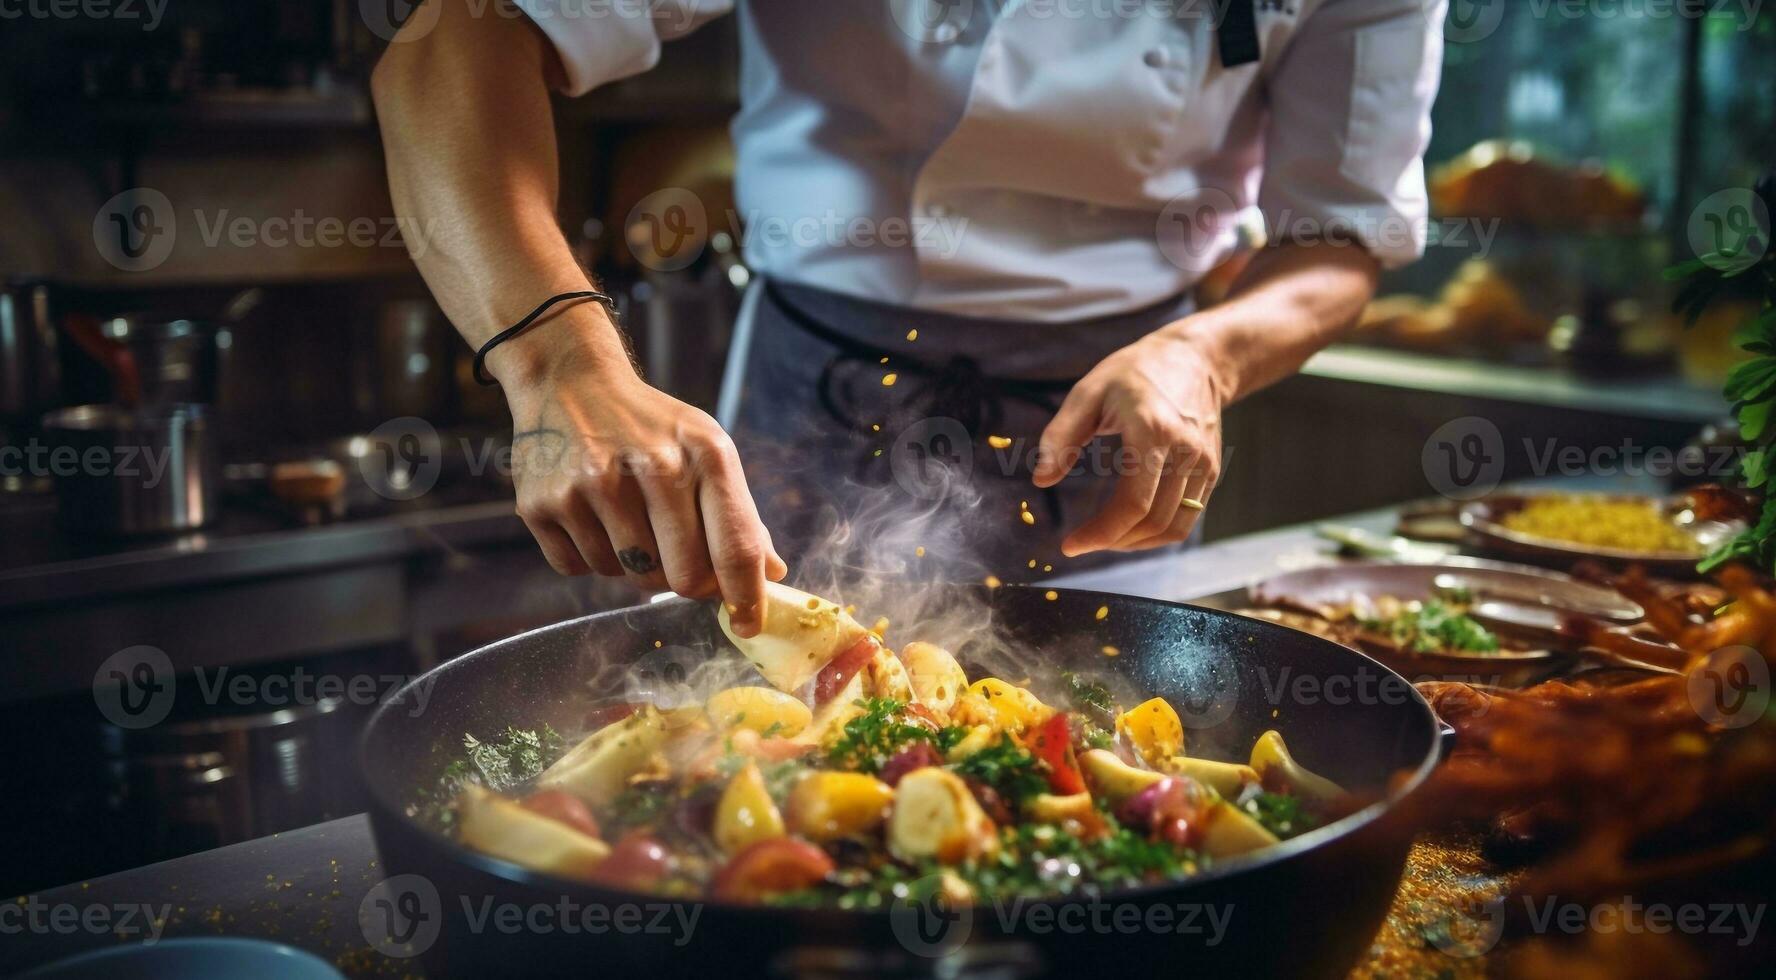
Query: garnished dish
{"type": "Point", "coordinates": [1664, 534]}
{"type": "Point", "coordinates": [854, 773]}
{"type": "Point", "coordinates": [1602, 522]}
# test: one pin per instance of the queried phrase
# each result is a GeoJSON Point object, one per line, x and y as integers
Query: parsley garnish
{"type": "Point", "coordinates": [877, 735]}
{"type": "Point", "coordinates": [1012, 772]}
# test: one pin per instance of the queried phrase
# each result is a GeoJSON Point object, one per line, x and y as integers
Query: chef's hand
{"type": "Point", "coordinates": [1163, 395]}
{"type": "Point", "coordinates": [615, 477]}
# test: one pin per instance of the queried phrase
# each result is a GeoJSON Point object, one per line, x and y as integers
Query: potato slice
{"type": "Point", "coordinates": [1228, 831]}
{"type": "Point", "coordinates": [1154, 730]}
{"type": "Point", "coordinates": [762, 709]}
{"type": "Point", "coordinates": [501, 828]}
{"type": "Point", "coordinates": [826, 806]}
{"type": "Point", "coordinates": [935, 816]}
{"type": "Point", "coordinates": [1226, 778]}
{"type": "Point", "coordinates": [598, 768]}
{"type": "Point", "coordinates": [745, 813]}
{"type": "Point", "coordinates": [888, 676]}
{"type": "Point", "coordinates": [937, 679]}
{"type": "Point", "coordinates": [1051, 808]}
{"type": "Point", "coordinates": [1278, 770]}
{"type": "Point", "coordinates": [1113, 779]}
{"type": "Point", "coordinates": [800, 633]}
{"type": "Point", "coordinates": [1002, 705]}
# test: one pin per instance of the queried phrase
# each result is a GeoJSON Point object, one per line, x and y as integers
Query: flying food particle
{"type": "Point", "coordinates": [993, 582]}
{"type": "Point", "coordinates": [999, 442]}
{"type": "Point", "coordinates": [1110, 651]}
{"type": "Point", "coordinates": [889, 379]}
{"type": "Point", "coordinates": [1051, 595]}
{"type": "Point", "coordinates": [913, 334]}
{"type": "Point", "coordinates": [1103, 612]}
{"type": "Point", "coordinates": [1028, 517]}
{"type": "Point", "coordinates": [920, 551]}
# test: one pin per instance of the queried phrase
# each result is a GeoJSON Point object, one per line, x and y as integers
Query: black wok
{"type": "Point", "coordinates": [1308, 907]}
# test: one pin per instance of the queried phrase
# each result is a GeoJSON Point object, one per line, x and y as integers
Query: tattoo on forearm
{"type": "Point", "coordinates": [636, 560]}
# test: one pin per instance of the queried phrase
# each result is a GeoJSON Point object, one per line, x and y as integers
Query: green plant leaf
{"type": "Point", "coordinates": [1753, 418]}
{"type": "Point", "coordinates": [1755, 466]}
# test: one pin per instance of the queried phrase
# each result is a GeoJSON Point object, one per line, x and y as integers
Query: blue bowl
{"type": "Point", "coordinates": [177, 959]}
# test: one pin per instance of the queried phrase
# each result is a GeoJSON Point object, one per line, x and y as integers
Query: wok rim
{"type": "Point", "coordinates": [386, 809]}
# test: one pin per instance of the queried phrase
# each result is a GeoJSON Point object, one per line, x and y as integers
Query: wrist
{"type": "Point", "coordinates": [1198, 339]}
{"type": "Point", "coordinates": [579, 341]}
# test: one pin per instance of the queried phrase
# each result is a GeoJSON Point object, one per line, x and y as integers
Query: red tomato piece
{"type": "Point", "coordinates": [1052, 743]}
{"type": "Point", "coordinates": [637, 862]}
{"type": "Point", "coordinates": [564, 807]}
{"type": "Point", "coordinates": [781, 864]}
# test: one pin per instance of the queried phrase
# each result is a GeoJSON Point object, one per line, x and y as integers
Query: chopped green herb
{"type": "Point", "coordinates": [1432, 627]}
{"type": "Point", "coordinates": [1012, 772]}
{"type": "Point", "coordinates": [874, 737]}
{"type": "Point", "coordinates": [1280, 814]}
{"type": "Point", "coordinates": [1090, 698]}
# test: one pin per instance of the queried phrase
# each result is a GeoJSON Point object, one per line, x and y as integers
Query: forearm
{"type": "Point", "coordinates": [1291, 301]}
{"type": "Point", "coordinates": [473, 173]}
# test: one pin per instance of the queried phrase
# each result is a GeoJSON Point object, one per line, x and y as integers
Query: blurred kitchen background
{"type": "Point", "coordinates": [306, 529]}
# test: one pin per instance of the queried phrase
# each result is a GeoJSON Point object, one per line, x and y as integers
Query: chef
{"type": "Point", "coordinates": [976, 224]}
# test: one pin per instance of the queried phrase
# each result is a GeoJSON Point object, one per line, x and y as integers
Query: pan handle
{"type": "Point", "coordinates": [1445, 740]}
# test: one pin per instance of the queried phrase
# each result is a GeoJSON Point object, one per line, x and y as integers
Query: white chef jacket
{"type": "Point", "coordinates": [1046, 160]}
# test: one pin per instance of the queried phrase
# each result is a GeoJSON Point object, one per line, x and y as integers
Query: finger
{"type": "Point", "coordinates": [1166, 499]}
{"type": "Point", "coordinates": [1190, 510]}
{"type": "Point", "coordinates": [1066, 435]}
{"type": "Point", "coordinates": [588, 536]}
{"type": "Point", "coordinates": [624, 514]}
{"type": "Point", "coordinates": [678, 527]}
{"type": "Point", "coordinates": [740, 550]}
{"type": "Point", "coordinates": [557, 547]}
{"type": "Point", "coordinates": [1130, 502]}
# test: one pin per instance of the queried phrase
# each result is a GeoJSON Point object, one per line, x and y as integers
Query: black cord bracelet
{"type": "Point", "coordinates": [515, 329]}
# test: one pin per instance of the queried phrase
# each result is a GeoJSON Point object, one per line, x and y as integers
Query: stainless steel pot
{"type": "Point", "coordinates": [134, 471]}
{"type": "Point", "coordinates": [30, 373]}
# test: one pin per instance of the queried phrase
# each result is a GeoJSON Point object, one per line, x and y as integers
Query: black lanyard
{"type": "Point", "coordinates": [1238, 34]}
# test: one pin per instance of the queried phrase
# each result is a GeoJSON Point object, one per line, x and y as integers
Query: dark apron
{"type": "Point", "coordinates": [855, 477]}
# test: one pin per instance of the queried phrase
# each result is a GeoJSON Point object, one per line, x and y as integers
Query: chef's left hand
{"type": "Point", "coordinates": [1163, 395]}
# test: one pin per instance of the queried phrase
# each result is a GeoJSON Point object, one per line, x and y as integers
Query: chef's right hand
{"type": "Point", "coordinates": [616, 477]}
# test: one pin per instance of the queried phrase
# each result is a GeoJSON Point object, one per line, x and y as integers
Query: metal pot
{"type": "Point", "coordinates": [134, 471]}
{"type": "Point", "coordinates": [1306, 907]}
{"type": "Point", "coordinates": [30, 372]}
